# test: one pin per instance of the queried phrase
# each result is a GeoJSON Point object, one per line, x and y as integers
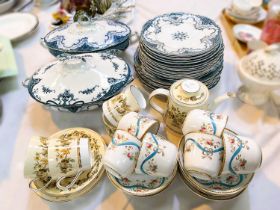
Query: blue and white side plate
{"type": "Point", "coordinates": [142, 185]}
{"type": "Point", "coordinates": [79, 82]}
{"type": "Point", "coordinates": [181, 34]}
{"type": "Point", "coordinates": [86, 37]}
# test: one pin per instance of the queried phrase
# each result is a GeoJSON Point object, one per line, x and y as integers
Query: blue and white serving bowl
{"type": "Point", "coordinates": [87, 37]}
{"type": "Point", "coordinates": [79, 82]}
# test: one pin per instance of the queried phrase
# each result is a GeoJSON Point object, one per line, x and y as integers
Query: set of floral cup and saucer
{"type": "Point", "coordinates": [215, 162]}
{"type": "Point", "coordinates": [138, 161]}
{"type": "Point", "coordinates": [65, 165]}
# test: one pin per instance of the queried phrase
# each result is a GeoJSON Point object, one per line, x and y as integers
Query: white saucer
{"type": "Point", "coordinates": [261, 17]}
{"type": "Point", "coordinates": [17, 26]}
{"type": "Point", "coordinates": [246, 33]}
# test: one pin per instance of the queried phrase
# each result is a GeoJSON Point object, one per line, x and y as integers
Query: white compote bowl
{"type": "Point", "coordinates": [260, 74]}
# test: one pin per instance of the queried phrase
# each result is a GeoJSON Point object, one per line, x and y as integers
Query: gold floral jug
{"type": "Point", "coordinates": [184, 96]}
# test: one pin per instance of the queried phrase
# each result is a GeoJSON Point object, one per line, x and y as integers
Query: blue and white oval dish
{"type": "Point", "coordinates": [79, 82]}
{"type": "Point", "coordinates": [87, 36]}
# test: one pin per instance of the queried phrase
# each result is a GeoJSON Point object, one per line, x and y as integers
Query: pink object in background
{"type": "Point", "coordinates": [271, 29]}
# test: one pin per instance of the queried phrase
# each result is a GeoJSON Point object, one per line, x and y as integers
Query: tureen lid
{"type": "Point", "coordinates": [79, 80]}
{"type": "Point", "coordinates": [189, 92]}
{"type": "Point", "coordinates": [263, 65]}
{"type": "Point", "coordinates": [87, 36]}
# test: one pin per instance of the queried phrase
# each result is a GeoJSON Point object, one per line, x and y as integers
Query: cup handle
{"type": "Point", "coordinates": [59, 186]}
{"type": "Point", "coordinates": [159, 92]}
{"type": "Point", "coordinates": [40, 189]}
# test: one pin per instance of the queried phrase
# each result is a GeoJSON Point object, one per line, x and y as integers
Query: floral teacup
{"type": "Point", "coordinates": [203, 121]}
{"type": "Point", "coordinates": [138, 125]}
{"type": "Point", "coordinates": [242, 155]}
{"type": "Point", "coordinates": [36, 164]}
{"type": "Point", "coordinates": [68, 157]}
{"type": "Point", "coordinates": [132, 100]}
{"type": "Point", "coordinates": [203, 155]}
{"type": "Point", "coordinates": [158, 157]}
{"type": "Point", "coordinates": [121, 154]}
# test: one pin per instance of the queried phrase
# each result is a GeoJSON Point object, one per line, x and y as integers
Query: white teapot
{"type": "Point", "coordinates": [184, 96]}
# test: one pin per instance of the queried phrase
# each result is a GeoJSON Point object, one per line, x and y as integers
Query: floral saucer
{"type": "Point", "coordinates": [142, 185]}
{"type": "Point", "coordinates": [87, 180]}
{"type": "Point", "coordinates": [224, 187]}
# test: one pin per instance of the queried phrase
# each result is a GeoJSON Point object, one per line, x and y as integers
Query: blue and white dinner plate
{"type": "Point", "coordinates": [91, 36]}
{"type": "Point", "coordinates": [79, 82]}
{"type": "Point", "coordinates": [181, 34]}
{"type": "Point", "coordinates": [179, 45]}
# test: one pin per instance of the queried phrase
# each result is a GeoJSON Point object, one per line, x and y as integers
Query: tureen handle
{"type": "Point", "coordinates": [218, 100]}
{"type": "Point", "coordinates": [43, 43]}
{"type": "Point", "coordinates": [134, 37]}
{"type": "Point", "coordinates": [26, 82]}
{"type": "Point", "coordinates": [159, 92]}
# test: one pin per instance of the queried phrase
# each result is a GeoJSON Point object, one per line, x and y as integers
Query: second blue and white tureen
{"type": "Point", "coordinates": [79, 82]}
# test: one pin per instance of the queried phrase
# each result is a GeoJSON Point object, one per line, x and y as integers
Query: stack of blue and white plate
{"type": "Point", "coordinates": [179, 45]}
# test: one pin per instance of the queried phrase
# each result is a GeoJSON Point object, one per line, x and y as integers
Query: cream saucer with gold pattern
{"type": "Point", "coordinates": [224, 187]}
{"type": "Point", "coordinates": [142, 185]}
{"type": "Point", "coordinates": [87, 180]}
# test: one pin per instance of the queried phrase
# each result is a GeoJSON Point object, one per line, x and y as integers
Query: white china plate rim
{"type": "Point", "coordinates": [21, 24]}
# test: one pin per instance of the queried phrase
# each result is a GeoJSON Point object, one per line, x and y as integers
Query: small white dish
{"type": "Point", "coordinates": [246, 33]}
{"type": "Point", "coordinates": [244, 20]}
{"type": "Point", "coordinates": [17, 26]}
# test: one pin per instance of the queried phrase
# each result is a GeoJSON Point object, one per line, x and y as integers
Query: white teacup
{"type": "Point", "coordinates": [242, 155]}
{"type": "Point", "coordinates": [36, 163]}
{"type": "Point", "coordinates": [245, 8]}
{"type": "Point", "coordinates": [132, 100]}
{"type": "Point", "coordinates": [121, 154]}
{"type": "Point", "coordinates": [203, 121]}
{"type": "Point", "coordinates": [67, 158]}
{"type": "Point", "coordinates": [138, 125]}
{"type": "Point", "coordinates": [203, 155]}
{"type": "Point", "coordinates": [158, 157]}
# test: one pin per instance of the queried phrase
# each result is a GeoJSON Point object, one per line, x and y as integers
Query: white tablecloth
{"type": "Point", "coordinates": [22, 118]}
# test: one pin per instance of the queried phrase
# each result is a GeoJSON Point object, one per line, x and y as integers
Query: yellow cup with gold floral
{"type": "Point", "coordinates": [131, 100]}
{"type": "Point", "coordinates": [67, 158]}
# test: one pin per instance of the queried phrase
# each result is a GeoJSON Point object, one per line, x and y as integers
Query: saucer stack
{"type": "Point", "coordinates": [179, 45]}
{"type": "Point", "coordinates": [249, 12]}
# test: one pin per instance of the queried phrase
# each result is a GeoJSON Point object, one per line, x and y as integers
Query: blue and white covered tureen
{"type": "Point", "coordinates": [87, 36]}
{"type": "Point", "coordinates": [79, 82]}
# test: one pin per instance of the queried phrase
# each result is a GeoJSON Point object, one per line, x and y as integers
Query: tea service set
{"type": "Point", "coordinates": [141, 162]}
{"type": "Point", "coordinates": [215, 162]}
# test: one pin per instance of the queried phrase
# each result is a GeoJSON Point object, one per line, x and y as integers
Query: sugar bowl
{"type": "Point", "coordinates": [184, 96]}
{"type": "Point", "coordinates": [260, 74]}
